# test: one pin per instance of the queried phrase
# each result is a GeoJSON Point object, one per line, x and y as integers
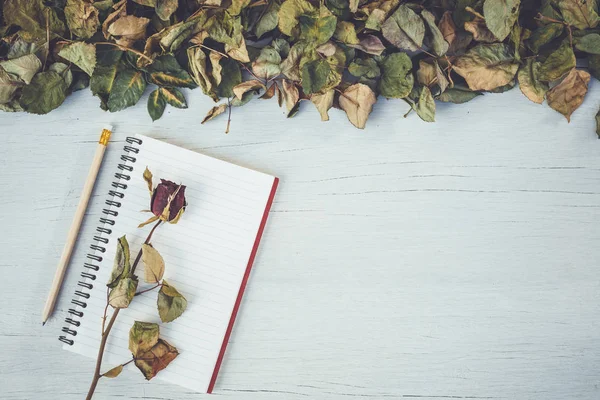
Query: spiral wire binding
{"type": "Point", "coordinates": [82, 293]}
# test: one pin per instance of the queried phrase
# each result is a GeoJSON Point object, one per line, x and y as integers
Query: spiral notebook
{"type": "Point", "coordinates": [208, 255]}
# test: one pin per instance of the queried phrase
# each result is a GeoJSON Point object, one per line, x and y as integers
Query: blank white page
{"type": "Point", "coordinates": [206, 258]}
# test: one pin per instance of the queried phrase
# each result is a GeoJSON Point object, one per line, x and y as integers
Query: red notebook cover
{"type": "Point", "coordinates": [243, 286]}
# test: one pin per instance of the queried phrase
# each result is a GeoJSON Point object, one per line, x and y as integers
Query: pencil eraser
{"type": "Point", "coordinates": [108, 127]}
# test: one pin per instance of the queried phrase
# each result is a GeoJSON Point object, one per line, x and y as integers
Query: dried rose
{"type": "Point", "coordinates": [167, 201]}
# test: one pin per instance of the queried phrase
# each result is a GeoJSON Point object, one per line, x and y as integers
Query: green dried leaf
{"type": "Point", "coordinates": [267, 64]}
{"type": "Point", "coordinates": [81, 54]}
{"type": "Point", "coordinates": [166, 71]}
{"type": "Point", "coordinates": [121, 295]}
{"type": "Point", "coordinates": [500, 16]}
{"type": "Point", "coordinates": [156, 106]}
{"type": "Point", "coordinates": [529, 82]}
{"type": "Point", "coordinates": [487, 66]}
{"type": "Point", "coordinates": [345, 32]}
{"type": "Point", "coordinates": [594, 65]}
{"type": "Point", "coordinates": [64, 71]}
{"type": "Point", "coordinates": [458, 95]}
{"type": "Point", "coordinates": [33, 17]}
{"type": "Point", "coordinates": [165, 8]}
{"type": "Point", "coordinates": [103, 78]}
{"type": "Point", "coordinates": [121, 264]}
{"type": "Point", "coordinates": [377, 12]}
{"type": "Point", "coordinates": [46, 92]}
{"type": "Point", "coordinates": [357, 101]}
{"type": "Point", "coordinates": [114, 372]}
{"type": "Point", "coordinates": [598, 124]}
{"type": "Point", "coordinates": [231, 76]}
{"type": "Point", "coordinates": [314, 75]}
{"type": "Point", "coordinates": [581, 14]}
{"type": "Point", "coordinates": [127, 89]}
{"type": "Point", "coordinates": [237, 6]}
{"type": "Point", "coordinates": [425, 105]}
{"type": "Point", "coordinates": [24, 67]}
{"type": "Point", "coordinates": [171, 304]}
{"type": "Point", "coordinates": [290, 67]}
{"type": "Point", "coordinates": [589, 43]}
{"type": "Point", "coordinates": [289, 14]}
{"type": "Point", "coordinates": [82, 18]}
{"type": "Point", "coordinates": [396, 79]}
{"type": "Point", "coordinates": [558, 63]}
{"type": "Point", "coordinates": [404, 29]}
{"type": "Point", "coordinates": [269, 19]}
{"type": "Point", "coordinates": [156, 359]}
{"type": "Point", "coordinates": [317, 28]}
{"type": "Point", "coordinates": [568, 95]}
{"type": "Point", "coordinates": [173, 97]}
{"type": "Point", "coordinates": [437, 42]}
{"type": "Point", "coordinates": [366, 67]}
{"type": "Point", "coordinates": [143, 336]}
{"type": "Point", "coordinates": [543, 35]}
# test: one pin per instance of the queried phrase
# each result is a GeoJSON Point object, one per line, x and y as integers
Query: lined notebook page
{"type": "Point", "coordinates": [206, 255]}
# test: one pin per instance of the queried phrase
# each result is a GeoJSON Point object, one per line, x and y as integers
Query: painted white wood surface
{"type": "Point", "coordinates": [410, 260]}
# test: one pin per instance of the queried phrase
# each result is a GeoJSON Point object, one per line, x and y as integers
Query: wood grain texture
{"type": "Point", "coordinates": [410, 260]}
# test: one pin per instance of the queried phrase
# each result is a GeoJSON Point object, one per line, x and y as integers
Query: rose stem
{"type": "Point", "coordinates": [105, 334]}
{"type": "Point", "coordinates": [149, 289]}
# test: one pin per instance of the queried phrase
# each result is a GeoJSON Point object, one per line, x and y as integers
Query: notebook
{"type": "Point", "coordinates": [208, 255]}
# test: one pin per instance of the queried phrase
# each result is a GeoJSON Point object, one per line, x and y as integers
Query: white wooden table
{"type": "Point", "coordinates": [451, 260]}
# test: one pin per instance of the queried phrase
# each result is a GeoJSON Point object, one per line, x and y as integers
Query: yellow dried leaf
{"type": "Point", "coordinates": [154, 265]}
{"type": "Point", "coordinates": [114, 372]}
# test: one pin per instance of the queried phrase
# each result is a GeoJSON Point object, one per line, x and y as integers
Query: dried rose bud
{"type": "Point", "coordinates": [168, 201]}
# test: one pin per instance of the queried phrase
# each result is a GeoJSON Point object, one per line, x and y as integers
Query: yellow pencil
{"type": "Point", "coordinates": [76, 224]}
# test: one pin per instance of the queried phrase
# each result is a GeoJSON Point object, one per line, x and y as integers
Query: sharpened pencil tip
{"type": "Point", "coordinates": [43, 323]}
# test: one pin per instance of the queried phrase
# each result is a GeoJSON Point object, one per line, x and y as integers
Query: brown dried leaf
{"type": "Point", "coordinates": [290, 94]}
{"type": "Point", "coordinates": [568, 95]}
{"type": "Point", "coordinates": [247, 86]}
{"type": "Point", "coordinates": [269, 93]}
{"type": "Point", "coordinates": [487, 66]}
{"type": "Point", "coordinates": [126, 30]}
{"type": "Point", "coordinates": [156, 359]}
{"type": "Point", "coordinates": [357, 101]}
{"type": "Point", "coordinates": [323, 102]}
{"type": "Point", "coordinates": [370, 44]}
{"type": "Point", "coordinates": [447, 27]}
{"type": "Point", "coordinates": [214, 112]}
{"type": "Point", "coordinates": [478, 28]}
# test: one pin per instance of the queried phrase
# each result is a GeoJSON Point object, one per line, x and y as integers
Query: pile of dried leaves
{"type": "Point", "coordinates": [334, 53]}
